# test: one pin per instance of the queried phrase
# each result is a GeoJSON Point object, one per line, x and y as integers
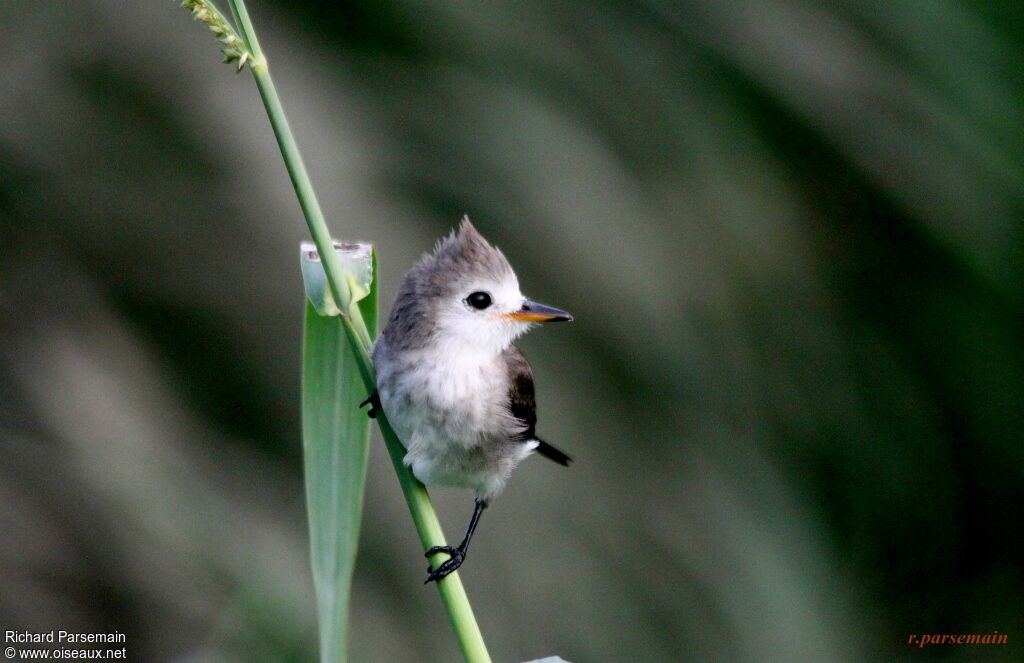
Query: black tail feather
{"type": "Point", "coordinates": [548, 451]}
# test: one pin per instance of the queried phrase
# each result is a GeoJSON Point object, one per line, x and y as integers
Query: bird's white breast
{"type": "Point", "coordinates": [444, 396]}
{"type": "Point", "coordinates": [450, 409]}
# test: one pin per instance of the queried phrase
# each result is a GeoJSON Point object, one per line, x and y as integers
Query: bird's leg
{"type": "Point", "coordinates": [374, 402]}
{"type": "Point", "coordinates": [458, 554]}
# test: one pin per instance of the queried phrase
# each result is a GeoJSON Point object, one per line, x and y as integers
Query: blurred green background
{"type": "Point", "coordinates": [791, 234]}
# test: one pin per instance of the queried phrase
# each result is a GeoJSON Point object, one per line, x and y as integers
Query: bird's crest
{"type": "Point", "coordinates": [465, 251]}
{"type": "Point", "coordinates": [460, 261]}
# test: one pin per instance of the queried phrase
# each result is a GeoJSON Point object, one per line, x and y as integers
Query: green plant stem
{"type": "Point", "coordinates": [453, 594]}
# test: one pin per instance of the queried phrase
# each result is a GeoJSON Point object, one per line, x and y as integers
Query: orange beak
{"type": "Point", "coordinates": [534, 312]}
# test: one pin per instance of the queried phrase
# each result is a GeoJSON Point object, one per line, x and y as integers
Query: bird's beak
{"type": "Point", "coordinates": [534, 312]}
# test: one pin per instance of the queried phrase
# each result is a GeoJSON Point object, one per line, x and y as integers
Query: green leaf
{"type": "Point", "coordinates": [356, 259]}
{"type": "Point", "coordinates": [368, 304]}
{"type": "Point", "coordinates": [335, 439]}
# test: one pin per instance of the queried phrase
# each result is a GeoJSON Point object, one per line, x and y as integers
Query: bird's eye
{"type": "Point", "coordinates": [479, 300]}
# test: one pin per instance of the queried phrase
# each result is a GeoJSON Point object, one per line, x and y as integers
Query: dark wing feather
{"type": "Point", "coordinates": [521, 400]}
{"type": "Point", "coordinates": [523, 403]}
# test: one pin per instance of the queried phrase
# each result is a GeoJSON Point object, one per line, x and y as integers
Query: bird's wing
{"type": "Point", "coordinates": [523, 404]}
{"type": "Point", "coordinates": [521, 400]}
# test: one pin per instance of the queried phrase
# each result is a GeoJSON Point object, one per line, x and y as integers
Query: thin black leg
{"type": "Point", "coordinates": [458, 554]}
{"type": "Point", "coordinates": [374, 402]}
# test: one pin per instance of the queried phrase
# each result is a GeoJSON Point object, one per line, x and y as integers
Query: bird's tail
{"type": "Point", "coordinates": [548, 451]}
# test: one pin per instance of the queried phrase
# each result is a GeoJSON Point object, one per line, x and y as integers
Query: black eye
{"type": "Point", "coordinates": [479, 300]}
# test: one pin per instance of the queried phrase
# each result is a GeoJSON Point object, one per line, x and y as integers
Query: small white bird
{"type": "Point", "coordinates": [455, 389]}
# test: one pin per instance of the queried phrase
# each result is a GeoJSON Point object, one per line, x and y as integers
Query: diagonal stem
{"type": "Point", "coordinates": [453, 594]}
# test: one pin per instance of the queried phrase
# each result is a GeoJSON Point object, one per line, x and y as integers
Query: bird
{"type": "Point", "coordinates": [455, 389]}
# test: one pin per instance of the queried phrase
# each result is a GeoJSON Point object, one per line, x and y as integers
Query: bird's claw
{"type": "Point", "coordinates": [373, 400]}
{"type": "Point", "coordinates": [458, 556]}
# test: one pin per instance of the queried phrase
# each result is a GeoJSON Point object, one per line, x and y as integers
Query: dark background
{"type": "Point", "coordinates": [790, 233]}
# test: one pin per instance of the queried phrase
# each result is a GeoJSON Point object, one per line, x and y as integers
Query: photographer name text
{"type": "Point", "coordinates": [58, 636]}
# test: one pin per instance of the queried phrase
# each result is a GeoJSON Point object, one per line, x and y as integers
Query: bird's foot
{"type": "Point", "coordinates": [458, 556]}
{"type": "Point", "coordinates": [374, 402]}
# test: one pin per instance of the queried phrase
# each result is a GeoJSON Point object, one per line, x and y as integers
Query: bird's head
{"type": "Point", "coordinates": [466, 295]}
